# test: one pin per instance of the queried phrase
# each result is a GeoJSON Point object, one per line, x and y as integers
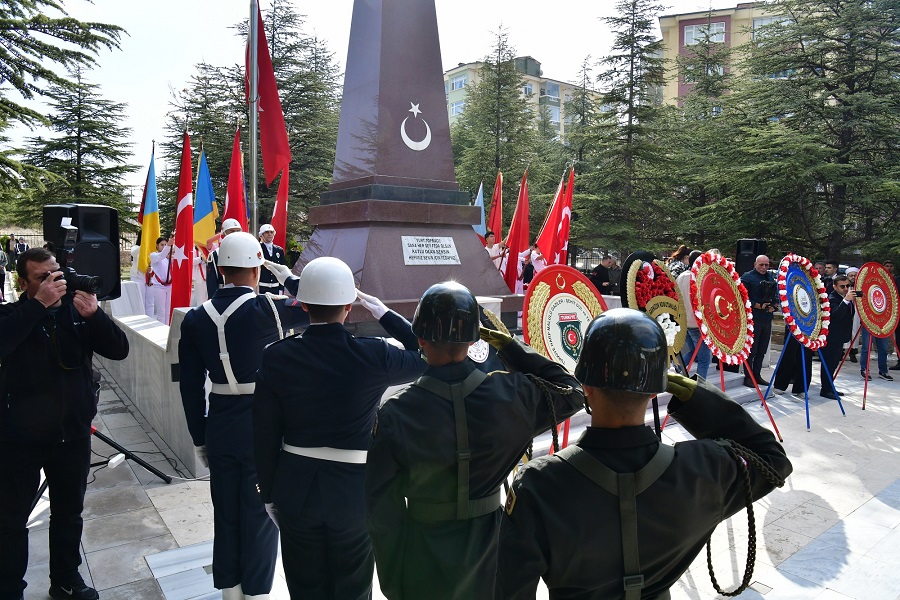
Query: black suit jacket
{"type": "Point", "coordinates": [841, 328]}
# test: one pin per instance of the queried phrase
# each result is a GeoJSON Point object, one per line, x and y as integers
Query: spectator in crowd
{"type": "Point", "coordinates": [851, 274]}
{"type": "Point", "coordinates": [761, 289]}
{"type": "Point", "coordinates": [615, 276]}
{"type": "Point", "coordinates": [678, 262]}
{"type": "Point", "coordinates": [839, 332]}
{"type": "Point", "coordinates": [889, 265]}
{"type": "Point", "coordinates": [4, 262]}
{"type": "Point", "coordinates": [692, 341]}
{"type": "Point", "coordinates": [831, 269]}
{"type": "Point", "coordinates": [600, 275]}
{"type": "Point", "coordinates": [819, 266]}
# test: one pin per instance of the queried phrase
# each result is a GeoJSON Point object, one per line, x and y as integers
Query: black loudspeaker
{"type": "Point", "coordinates": [96, 248]}
{"type": "Point", "coordinates": [747, 251]}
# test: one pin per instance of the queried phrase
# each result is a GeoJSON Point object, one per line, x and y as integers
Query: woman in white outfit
{"type": "Point", "coordinates": [161, 288]}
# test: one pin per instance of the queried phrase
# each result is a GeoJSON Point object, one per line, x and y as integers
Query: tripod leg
{"type": "Point", "coordinates": [40, 492]}
{"type": "Point", "coordinates": [130, 456]}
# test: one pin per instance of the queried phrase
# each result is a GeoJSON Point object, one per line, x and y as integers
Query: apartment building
{"type": "Point", "coordinates": [729, 26]}
{"type": "Point", "coordinates": [539, 90]}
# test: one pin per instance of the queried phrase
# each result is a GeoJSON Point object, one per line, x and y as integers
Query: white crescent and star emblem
{"type": "Point", "coordinates": [413, 145]}
{"type": "Point", "coordinates": [479, 351]}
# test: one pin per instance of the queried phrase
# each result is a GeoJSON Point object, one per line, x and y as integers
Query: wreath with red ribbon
{"type": "Point", "coordinates": [736, 348]}
{"type": "Point", "coordinates": [822, 337]}
{"type": "Point", "coordinates": [660, 284]}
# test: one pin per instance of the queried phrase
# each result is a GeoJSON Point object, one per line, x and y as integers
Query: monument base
{"type": "Point", "coordinates": [397, 250]}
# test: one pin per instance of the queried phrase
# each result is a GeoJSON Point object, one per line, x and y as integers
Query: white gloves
{"type": "Point", "coordinates": [273, 513]}
{"type": "Point", "coordinates": [281, 272]}
{"type": "Point", "coordinates": [201, 455]}
{"type": "Point", "coordinates": [372, 304]}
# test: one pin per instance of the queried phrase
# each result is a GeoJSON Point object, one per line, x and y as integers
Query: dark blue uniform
{"type": "Point", "coordinates": [246, 540]}
{"type": "Point", "coordinates": [319, 392]}
{"type": "Point", "coordinates": [267, 280]}
{"type": "Point", "coordinates": [214, 279]}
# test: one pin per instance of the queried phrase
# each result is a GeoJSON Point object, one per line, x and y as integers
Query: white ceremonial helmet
{"type": "Point", "coordinates": [240, 249]}
{"type": "Point", "coordinates": [230, 224]}
{"type": "Point", "coordinates": [326, 281]}
{"type": "Point", "coordinates": [266, 227]}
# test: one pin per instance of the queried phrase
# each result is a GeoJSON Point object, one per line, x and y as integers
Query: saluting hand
{"type": "Point", "coordinates": [85, 304]}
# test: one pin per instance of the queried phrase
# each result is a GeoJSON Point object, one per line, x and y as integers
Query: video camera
{"type": "Point", "coordinates": [770, 293]}
{"type": "Point", "coordinates": [65, 256]}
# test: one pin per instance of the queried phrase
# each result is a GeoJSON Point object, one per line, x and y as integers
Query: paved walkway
{"type": "Point", "coordinates": [830, 533]}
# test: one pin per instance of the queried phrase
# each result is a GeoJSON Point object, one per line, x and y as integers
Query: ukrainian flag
{"type": "Point", "coordinates": [205, 209]}
{"type": "Point", "coordinates": [150, 223]}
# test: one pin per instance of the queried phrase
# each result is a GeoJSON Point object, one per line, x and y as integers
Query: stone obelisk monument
{"type": "Point", "coordinates": [394, 211]}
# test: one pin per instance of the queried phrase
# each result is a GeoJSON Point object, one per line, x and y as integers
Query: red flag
{"type": "Point", "coordinates": [279, 215]}
{"type": "Point", "coordinates": [546, 239]}
{"type": "Point", "coordinates": [183, 253]}
{"type": "Point", "coordinates": [235, 206]}
{"type": "Point", "coordinates": [561, 249]}
{"type": "Point", "coordinates": [273, 139]}
{"type": "Point", "coordinates": [517, 241]}
{"type": "Point", "coordinates": [495, 219]}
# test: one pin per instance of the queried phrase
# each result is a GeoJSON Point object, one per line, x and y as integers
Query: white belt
{"type": "Point", "coordinates": [224, 389]}
{"type": "Point", "coordinates": [276, 284]}
{"type": "Point", "coordinates": [357, 457]}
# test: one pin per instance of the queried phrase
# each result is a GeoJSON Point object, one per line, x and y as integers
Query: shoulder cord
{"type": "Point", "coordinates": [271, 298]}
{"type": "Point", "coordinates": [744, 458]}
{"type": "Point", "coordinates": [548, 387]}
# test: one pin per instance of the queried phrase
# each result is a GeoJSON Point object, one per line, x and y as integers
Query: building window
{"type": "Point", "coordinates": [711, 71]}
{"type": "Point", "coordinates": [528, 89]}
{"type": "Point", "coordinates": [553, 113]}
{"type": "Point", "coordinates": [550, 89]}
{"type": "Point", "coordinates": [759, 24]}
{"type": "Point", "coordinates": [694, 34]}
{"type": "Point", "coordinates": [458, 82]}
{"type": "Point", "coordinates": [456, 108]}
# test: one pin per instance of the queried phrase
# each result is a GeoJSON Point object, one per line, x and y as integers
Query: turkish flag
{"type": "Point", "coordinates": [561, 249]}
{"type": "Point", "coordinates": [546, 240]}
{"type": "Point", "coordinates": [183, 253]}
{"type": "Point", "coordinates": [495, 219]}
{"type": "Point", "coordinates": [235, 204]}
{"type": "Point", "coordinates": [518, 235]}
{"type": "Point", "coordinates": [279, 215]}
{"type": "Point", "coordinates": [273, 139]}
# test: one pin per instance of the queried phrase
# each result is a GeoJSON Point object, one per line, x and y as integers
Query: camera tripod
{"type": "Point", "coordinates": [129, 455]}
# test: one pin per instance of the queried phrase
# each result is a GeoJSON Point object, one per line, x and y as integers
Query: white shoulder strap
{"type": "Point", "coordinates": [272, 298]}
{"type": "Point", "coordinates": [219, 320]}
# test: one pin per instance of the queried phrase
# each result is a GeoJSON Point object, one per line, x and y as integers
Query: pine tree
{"type": "Point", "coordinates": [497, 129]}
{"type": "Point", "coordinates": [819, 150]}
{"type": "Point", "coordinates": [627, 152]}
{"type": "Point", "coordinates": [33, 47]}
{"type": "Point", "coordinates": [86, 155]}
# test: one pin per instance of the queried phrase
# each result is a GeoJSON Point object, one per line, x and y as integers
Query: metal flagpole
{"type": "Point", "coordinates": [254, 112]}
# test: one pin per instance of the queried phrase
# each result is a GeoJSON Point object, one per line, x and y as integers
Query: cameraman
{"type": "Point", "coordinates": [48, 397]}
{"type": "Point", "coordinates": [761, 289]}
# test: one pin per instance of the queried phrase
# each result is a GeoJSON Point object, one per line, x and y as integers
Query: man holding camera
{"type": "Point", "coordinates": [762, 290]}
{"type": "Point", "coordinates": [839, 331]}
{"type": "Point", "coordinates": [49, 397]}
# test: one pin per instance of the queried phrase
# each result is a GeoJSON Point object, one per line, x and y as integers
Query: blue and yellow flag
{"type": "Point", "coordinates": [150, 221]}
{"type": "Point", "coordinates": [205, 209]}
